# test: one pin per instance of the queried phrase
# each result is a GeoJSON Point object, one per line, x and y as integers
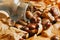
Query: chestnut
{"type": "Point", "coordinates": [54, 37]}
{"type": "Point", "coordinates": [29, 15]}
{"type": "Point", "coordinates": [32, 26]}
{"type": "Point", "coordinates": [55, 11]}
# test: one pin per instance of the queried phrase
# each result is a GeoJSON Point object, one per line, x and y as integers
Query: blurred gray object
{"type": "Point", "coordinates": [15, 9]}
{"type": "Point", "coordinates": [0, 1]}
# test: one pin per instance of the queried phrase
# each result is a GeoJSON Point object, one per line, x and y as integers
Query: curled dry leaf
{"type": "Point", "coordinates": [7, 31]}
{"type": "Point", "coordinates": [17, 32]}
